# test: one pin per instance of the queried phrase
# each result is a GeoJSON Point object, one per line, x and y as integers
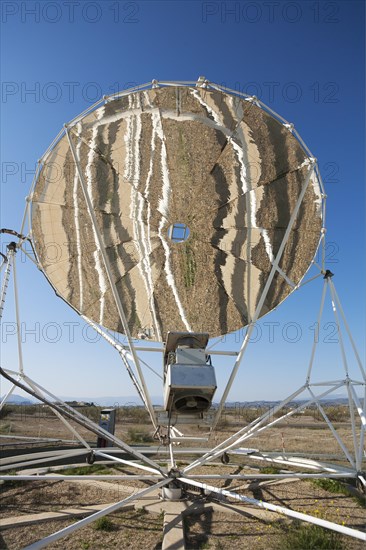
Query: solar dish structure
{"type": "Point", "coordinates": [192, 191]}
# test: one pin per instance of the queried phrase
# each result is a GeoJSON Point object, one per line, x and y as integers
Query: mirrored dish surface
{"type": "Point", "coordinates": [192, 190]}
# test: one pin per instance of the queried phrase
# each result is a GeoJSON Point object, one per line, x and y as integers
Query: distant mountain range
{"type": "Point", "coordinates": [19, 400]}
{"type": "Point", "coordinates": [113, 401]}
{"type": "Point", "coordinates": [133, 400]}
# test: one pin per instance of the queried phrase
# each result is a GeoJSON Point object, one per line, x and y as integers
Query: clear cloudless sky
{"type": "Point", "coordinates": [305, 59]}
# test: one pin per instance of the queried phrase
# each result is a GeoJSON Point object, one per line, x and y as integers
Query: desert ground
{"type": "Point", "coordinates": [217, 523]}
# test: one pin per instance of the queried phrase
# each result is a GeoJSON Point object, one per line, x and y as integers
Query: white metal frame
{"type": "Point", "coordinates": [134, 366]}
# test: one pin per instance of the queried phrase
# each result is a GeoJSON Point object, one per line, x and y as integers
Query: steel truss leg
{"type": "Point", "coordinates": [46, 457]}
{"type": "Point", "coordinates": [316, 335]}
{"type": "Point", "coordinates": [78, 418]}
{"type": "Point", "coordinates": [279, 509]}
{"type": "Point", "coordinates": [362, 416]}
{"type": "Point", "coordinates": [124, 356]}
{"type": "Point", "coordinates": [127, 462]}
{"type": "Point", "coordinates": [60, 417]}
{"type": "Point", "coordinates": [254, 428]}
{"type": "Point", "coordinates": [234, 437]}
{"type": "Point", "coordinates": [17, 318]}
{"type": "Point", "coordinates": [308, 464]}
{"type": "Point", "coordinates": [337, 300]}
{"type": "Point", "coordinates": [4, 287]}
{"type": "Point", "coordinates": [7, 395]}
{"type": "Point", "coordinates": [333, 430]}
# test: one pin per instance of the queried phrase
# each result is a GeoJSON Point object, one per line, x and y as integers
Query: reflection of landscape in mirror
{"type": "Point", "coordinates": [212, 171]}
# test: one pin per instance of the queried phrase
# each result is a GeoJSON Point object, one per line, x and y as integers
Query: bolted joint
{"type": "Point", "coordinates": [90, 458]}
{"type": "Point", "coordinates": [174, 473]}
{"type": "Point", "coordinates": [12, 247]}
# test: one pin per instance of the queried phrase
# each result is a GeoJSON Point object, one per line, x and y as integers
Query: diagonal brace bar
{"type": "Point", "coordinates": [117, 299]}
{"type": "Point", "coordinates": [280, 510]}
{"type": "Point", "coordinates": [264, 293]}
{"type": "Point", "coordinates": [79, 524]}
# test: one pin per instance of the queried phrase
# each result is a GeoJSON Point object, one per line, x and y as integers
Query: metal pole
{"type": "Point", "coordinates": [101, 246]}
{"type": "Point", "coordinates": [264, 293]}
{"type": "Point", "coordinates": [289, 475]}
{"type": "Point", "coordinates": [300, 285]}
{"type": "Point", "coordinates": [327, 383]}
{"type": "Point", "coordinates": [353, 424]}
{"type": "Point", "coordinates": [348, 330]}
{"type": "Point", "coordinates": [6, 278]}
{"type": "Point", "coordinates": [336, 316]}
{"type": "Point", "coordinates": [316, 336]}
{"type": "Point", "coordinates": [128, 462]}
{"type": "Point", "coordinates": [64, 421]}
{"type": "Point", "coordinates": [68, 478]}
{"type": "Point", "coordinates": [17, 316]}
{"type": "Point", "coordinates": [26, 209]}
{"type": "Point", "coordinates": [361, 412]}
{"type": "Point", "coordinates": [333, 430]}
{"type": "Point", "coordinates": [234, 437]}
{"type": "Point", "coordinates": [41, 460]}
{"type": "Point", "coordinates": [362, 435]}
{"type": "Point", "coordinates": [25, 216]}
{"type": "Point", "coordinates": [171, 454]}
{"type": "Point", "coordinates": [123, 349]}
{"type": "Point", "coordinates": [303, 463]}
{"type": "Point", "coordinates": [6, 396]}
{"type": "Point", "coordinates": [122, 353]}
{"type": "Point", "coordinates": [279, 509]}
{"type": "Point", "coordinates": [251, 432]}
{"type": "Point", "coordinates": [77, 417]}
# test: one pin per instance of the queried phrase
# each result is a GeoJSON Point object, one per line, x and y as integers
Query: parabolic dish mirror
{"type": "Point", "coordinates": [192, 191]}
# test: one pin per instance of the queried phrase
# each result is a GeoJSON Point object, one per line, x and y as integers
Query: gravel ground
{"type": "Point", "coordinates": [213, 530]}
{"type": "Point", "coordinates": [217, 531]}
{"type": "Point", "coordinates": [38, 496]}
{"type": "Point", "coordinates": [130, 529]}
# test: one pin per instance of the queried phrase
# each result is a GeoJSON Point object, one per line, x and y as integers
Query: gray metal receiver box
{"type": "Point", "coordinates": [190, 383]}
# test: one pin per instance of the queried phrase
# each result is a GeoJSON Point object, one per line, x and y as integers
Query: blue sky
{"type": "Point", "coordinates": [304, 59]}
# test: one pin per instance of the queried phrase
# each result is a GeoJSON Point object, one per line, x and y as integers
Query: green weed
{"type": "Point", "coordinates": [337, 487]}
{"type": "Point", "coordinates": [103, 524]}
{"type": "Point", "coordinates": [137, 436]}
{"type": "Point", "coordinates": [269, 470]}
{"type": "Point", "coordinates": [86, 470]}
{"type": "Point", "coordinates": [311, 537]}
